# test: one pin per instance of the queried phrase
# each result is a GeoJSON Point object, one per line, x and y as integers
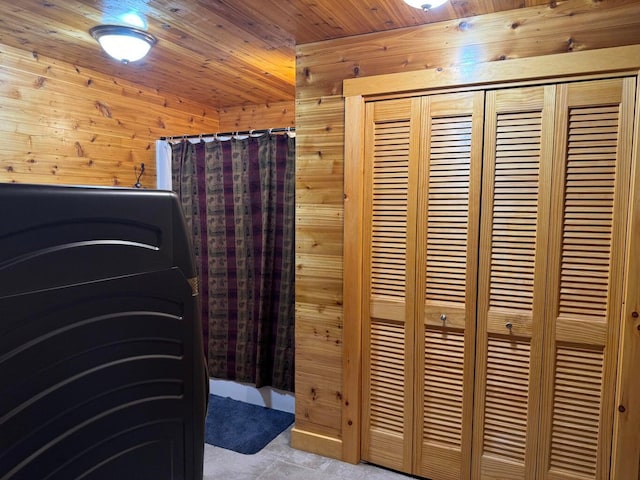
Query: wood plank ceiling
{"type": "Point", "coordinates": [223, 53]}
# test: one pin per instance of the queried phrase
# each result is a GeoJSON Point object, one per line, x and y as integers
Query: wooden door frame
{"type": "Point", "coordinates": [617, 61]}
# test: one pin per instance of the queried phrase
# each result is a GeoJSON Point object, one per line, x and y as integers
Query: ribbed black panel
{"type": "Point", "coordinates": [101, 365]}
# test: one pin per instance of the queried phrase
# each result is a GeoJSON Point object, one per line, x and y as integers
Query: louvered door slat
{"type": "Point", "coordinates": [447, 222]}
{"type": "Point", "coordinates": [389, 207]}
{"type": "Point", "coordinates": [517, 166]}
{"type": "Point", "coordinates": [584, 292]}
{"type": "Point", "coordinates": [506, 398]}
{"type": "Point", "coordinates": [387, 360]}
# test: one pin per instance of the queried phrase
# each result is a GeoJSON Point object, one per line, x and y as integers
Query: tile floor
{"type": "Point", "coordinates": [278, 461]}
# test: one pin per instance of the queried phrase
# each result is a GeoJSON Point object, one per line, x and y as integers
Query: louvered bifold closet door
{"type": "Point", "coordinates": [511, 279]}
{"type": "Point", "coordinates": [391, 154]}
{"type": "Point", "coordinates": [448, 223]}
{"type": "Point", "coordinates": [584, 295]}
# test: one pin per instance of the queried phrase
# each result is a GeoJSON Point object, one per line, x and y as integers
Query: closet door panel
{"type": "Point", "coordinates": [391, 150]}
{"type": "Point", "coordinates": [447, 240]}
{"type": "Point", "coordinates": [513, 249]}
{"type": "Point", "coordinates": [590, 197]}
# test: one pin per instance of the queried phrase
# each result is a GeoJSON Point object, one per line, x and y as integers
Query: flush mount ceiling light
{"type": "Point", "coordinates": [425, 5]}
{"type": "Point", "coordinates": [125, 44]}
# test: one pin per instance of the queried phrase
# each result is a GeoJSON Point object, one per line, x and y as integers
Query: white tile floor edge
{"type": "Point", "coordinates": [278, 461]}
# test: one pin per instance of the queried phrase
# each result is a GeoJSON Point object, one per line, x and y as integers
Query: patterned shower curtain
{"type": "Point", "coordinates": [238, 199]}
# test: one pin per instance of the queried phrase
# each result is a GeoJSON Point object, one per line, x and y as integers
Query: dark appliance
{"type": "Point", "coordinates": [102, 374]}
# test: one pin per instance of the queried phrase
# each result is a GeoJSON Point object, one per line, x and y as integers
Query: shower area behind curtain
{"type": "Point", "coordinates": [238, 200]}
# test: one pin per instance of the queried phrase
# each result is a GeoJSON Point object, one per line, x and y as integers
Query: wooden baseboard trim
{"type": "Point", "coordinates": [316, 443]}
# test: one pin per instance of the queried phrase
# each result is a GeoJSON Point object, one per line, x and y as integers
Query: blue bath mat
{"type": "Point", "coordinates": [243, 427]}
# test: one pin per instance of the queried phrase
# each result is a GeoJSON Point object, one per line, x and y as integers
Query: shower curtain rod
{"type": "Point", "coordinates": [231, 134]}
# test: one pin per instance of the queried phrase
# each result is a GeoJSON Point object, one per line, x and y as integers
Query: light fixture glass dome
{"type": "Point", "coordinates": [425, 5]}
{"type": "Point", "coordinates": [125, 44]}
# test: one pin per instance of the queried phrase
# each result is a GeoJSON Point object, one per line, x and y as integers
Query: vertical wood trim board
{"type": "Point", "coordinates": [352, 330]}
{"type": "Point", "coordinates": [626, 447]}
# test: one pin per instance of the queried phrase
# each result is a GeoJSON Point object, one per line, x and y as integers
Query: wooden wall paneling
{"type": "Point", "coordinates": [319, 232]}
{"type": "Point", "coordinates": [319, 223]}
{"type": "Point", "coordinates": [66, 125]}
{"type": "Point", "coordinates": [318, 396]}
{"type": "Point", "coordinates": [559, 66]}
{"type": "Point", "coordinates": [498, 38]}
{"type": "Point", "coordinates": [43, 68]}
{"type": "Point", "coordinates": [256, 117]}
{"type": "Point", "coordinates": [574, 25]}
{"type": "Point", "coordinates": [626, 447]}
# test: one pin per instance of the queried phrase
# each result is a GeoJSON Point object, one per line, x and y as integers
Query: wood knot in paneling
{"type": "Point", "coordinates": [79, 150]}
{"type": "Point", "coordinates": [104, 110]}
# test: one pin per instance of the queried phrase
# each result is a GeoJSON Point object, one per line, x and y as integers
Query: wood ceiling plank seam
{"type": "Point", "coordinates": [238, 14]}
{"type": "Point", "coordinates": [264, 82]}
{"type": "Point", "coordinates": [203, 19]}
